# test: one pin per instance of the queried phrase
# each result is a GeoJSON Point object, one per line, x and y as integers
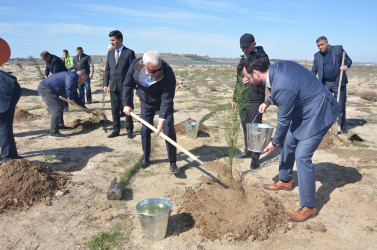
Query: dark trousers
{"type": "Point", "coordinates": [302, 152]}
{"type": "Point", "coordinates": [247, 115]}
{"type": "Point", "coordinates": [7, 142]}
{"type": "Point", "coordinates": [116, 104]}
{"type": "Point", "coordinates": [333, 88]}
{"type": "Point", "coordinates": [82, 87]}
{"type": "Point", "coordinates": [168, 129]}
{"type": "Point", "coordinates": [55, 107]}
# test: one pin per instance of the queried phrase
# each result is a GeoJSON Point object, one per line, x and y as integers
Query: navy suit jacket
{"type": "Point", "coordinates": [115, 74]}
{"type": "Point", "coordinates": [64, 84]}
{"type": "Point", "coordinates": [56, 65]}
{"type": "Point", "coordinates": [8, 85]}
{"type": "Point", "coordinates": [337, 54]}
{"type": "Point", "coordinates": [305, 106]}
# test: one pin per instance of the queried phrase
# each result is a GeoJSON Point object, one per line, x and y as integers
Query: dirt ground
{"type": "Point", "coordinates": [205, 215]}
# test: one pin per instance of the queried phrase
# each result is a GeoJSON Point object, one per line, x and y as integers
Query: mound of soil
{"type": "Point", "coordinates": [180, 127]}
{"type": "Point", "coordinates": [24, 183]}
{"type": "Point", "coordinates": [237, 213]}
{"type": "Point", "coordinates": [181, 87]}
{"type": "Point", "coordinates": [93, 122]}
{"type": "Point", "coordinates": [331, 140]}
{"type": "Point", "coordinates": [23, 115]}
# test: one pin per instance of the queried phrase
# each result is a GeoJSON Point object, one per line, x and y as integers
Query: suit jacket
{"type": "Point", "coordinates": [56, 65]}
{"type": "Point", "coordinates": [305, 106]}
{"type": "Point", "coordinates": [8, 85]}
{"type": "Point", "coordinates": [337, 54]}
{"type": "Point", "coordinates": [158, 96]}
{"type": "Point", "coordinates": [115, 74]}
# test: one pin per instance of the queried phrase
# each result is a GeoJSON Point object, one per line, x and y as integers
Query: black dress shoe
{"type": "Point", "coordinates": [130, 134]}
{"type": "Point", "coordinates": [173, 168]}
{"type": "Point", "coordinates": [245, 154]}
{"type": "Point", "coordinates": [113, 134]}
{"type": "Point", "coordinates": [254, 164]}
{"type": "Point", "coordinates": [144, 163]}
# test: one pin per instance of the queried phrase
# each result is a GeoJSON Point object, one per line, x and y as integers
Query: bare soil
{"type": "Point", "coordinates": [205, 215]}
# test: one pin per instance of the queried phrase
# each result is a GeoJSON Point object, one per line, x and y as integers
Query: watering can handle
{"type": "Point", "coordinates": [258, 114]}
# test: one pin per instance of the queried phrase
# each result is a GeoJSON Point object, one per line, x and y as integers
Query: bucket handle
{"type": "Point", "coordinates": [261, 113]}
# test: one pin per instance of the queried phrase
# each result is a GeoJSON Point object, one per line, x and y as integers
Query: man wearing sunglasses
{"type": "Point", "coordinates": [155, 83]}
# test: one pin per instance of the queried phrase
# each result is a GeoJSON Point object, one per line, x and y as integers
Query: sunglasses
{"type": "Point", "coordinates": [152, 71]}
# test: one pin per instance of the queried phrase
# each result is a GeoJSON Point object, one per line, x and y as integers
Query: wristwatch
{"type": "Point", "coordinates": [275, 145]}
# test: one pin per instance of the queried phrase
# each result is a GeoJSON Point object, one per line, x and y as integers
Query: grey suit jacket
{"type": "Point", "coordinates": [337, 54]}
{"type": "Point", "coordinates": [115, 74]}
{"type": "Point", "coordinates": [305, 106]}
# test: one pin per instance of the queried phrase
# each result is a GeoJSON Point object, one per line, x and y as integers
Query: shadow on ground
{"type": "Point", "coordinates": [331, 176]}
{"type": "Point", "coordinates": [353, 123]}
{"type": "Point", "coordinates": [68, 159]}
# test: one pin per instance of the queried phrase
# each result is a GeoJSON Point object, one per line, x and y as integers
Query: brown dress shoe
{"type": "Point", "coordinates": [302, 214]}
{"type": "Point", "coordinates": [279, 185]}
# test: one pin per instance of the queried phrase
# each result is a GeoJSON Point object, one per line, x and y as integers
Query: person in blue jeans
{"type": "Point", "coordinates": [83, 61]}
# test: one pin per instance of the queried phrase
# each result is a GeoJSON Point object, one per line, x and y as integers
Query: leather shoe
{"type": "Point", "coordinates": [302, 214]}
{"type": "Point", "coordinates": [245, 154]}
{"type": "Point", "coordinates": [144, 163]}
{"type": "Point", "coordinates": [173, 168]}
{"type": "Point", "coordinates": [115, 133]}
{"type": "Point", "coordinates": [130, 134]}
{"type": "Point", "coordinates": [279, 185]}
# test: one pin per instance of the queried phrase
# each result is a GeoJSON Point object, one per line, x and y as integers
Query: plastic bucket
{"type": "Point", "coordinates": [154, 215]}
{"type": "Point", "coordinates": [191, 129]}
{"type": "Point", "coordinates": [258, 136]}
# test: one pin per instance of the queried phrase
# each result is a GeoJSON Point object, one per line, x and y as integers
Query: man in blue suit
{"type": "Point", "coordinates": [306, 111]}
{"type": "Point", "coordinates": [327, 64]}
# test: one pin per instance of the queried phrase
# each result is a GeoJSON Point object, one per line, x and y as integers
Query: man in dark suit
{"type": "Point", "coordinates": [10, 93]}
{"type": "Point", "coordinates": [155, 83]}
{"type": "Point", "coordinates": [306, 111]}
{"type": "Point", "coordinates": [327, 64]}
{"type": "Point", "coordinates": [53, 63]}
{"type": "Point", "coordinates": [118, 62]}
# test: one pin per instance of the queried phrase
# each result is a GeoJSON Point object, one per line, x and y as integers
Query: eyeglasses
{"type": "Point", "coordinates": [152, 71]}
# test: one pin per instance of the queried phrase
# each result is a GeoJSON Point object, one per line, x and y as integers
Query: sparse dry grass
{"type": "Point", "coordinates": [369, 96]}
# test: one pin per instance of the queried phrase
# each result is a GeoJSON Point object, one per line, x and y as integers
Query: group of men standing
{"type": "Point", "coordinates": [307, 108]}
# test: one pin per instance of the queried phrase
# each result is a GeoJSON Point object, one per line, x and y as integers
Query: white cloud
{"type": "Point", "coordinates": [215, 5]}
{"type": "Point", "coordinates": [158, 14]}
{"type": "Point", "coordinates": [75, 28]}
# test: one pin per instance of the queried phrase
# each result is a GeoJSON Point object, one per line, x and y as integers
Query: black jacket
{"type": "Point", "coordinates": [115, 74]}
{"type": "Point", "coordinates": [8, 87]}
{"type": "Point", "coordinates": [158, 96]}
{"type": "Point", "coordinates": [56, 65]}
{"type": "Point", "coordinates": [256, 94]}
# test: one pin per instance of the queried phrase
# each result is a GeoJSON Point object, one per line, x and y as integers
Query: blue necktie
{"type": "Point", "coordinates": [150, 80]}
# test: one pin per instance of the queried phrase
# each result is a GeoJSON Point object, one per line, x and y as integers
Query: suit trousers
{"type": "Point", "coordinates": [82, 87]}
{"type": "Point", "coordinates": [247, 115]}
{"type": "Point", "coordinates": [7, 142]}
{"type": "Point", "coordinates": [333, 88]}
{"type": "Point", "coordinates": [55, 107]}
{"type": "Point", "coordinates": [168, 129]}
{"type": "Point", "coordinates": [116, 104]}
{"type": "Point", "coordinates": [302, 151]}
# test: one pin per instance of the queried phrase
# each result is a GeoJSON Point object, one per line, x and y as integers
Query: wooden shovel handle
{"type": "Point", "coordinates": [75, 104]}
{"type": "Point", "coordinates": [167, 138]}
{"type": "Point", "coordinates": [341, 77]}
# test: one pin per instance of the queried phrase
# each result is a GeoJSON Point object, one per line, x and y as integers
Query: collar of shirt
{"type": "Point", "coordinates": [143, 78]}
{"type": "Point", "coordinates": [268, 84]}
{"type": "Point", "coordinates": [120, 49]}
{"type": "Point", "coordinates": [246, 56]}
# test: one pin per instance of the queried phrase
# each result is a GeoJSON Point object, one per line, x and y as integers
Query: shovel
{"type": "Point", "coordinates": [75, 104]}
{"type": "Point", "coordinates": [179, 147]}
{"type": "Point", "coordinates": [336, 128]}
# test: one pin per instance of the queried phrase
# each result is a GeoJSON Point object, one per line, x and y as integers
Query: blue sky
{"type": "Point", "coordinates": [286, 29]}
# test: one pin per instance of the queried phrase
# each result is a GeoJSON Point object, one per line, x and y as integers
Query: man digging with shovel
{"type": "Point", "coordinates": [155, 83]}
{"type": "Point", "coordinates": [61, 84]}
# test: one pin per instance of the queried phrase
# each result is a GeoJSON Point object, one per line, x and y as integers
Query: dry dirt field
{"type": "Point", "coordinates": [205, 215]}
